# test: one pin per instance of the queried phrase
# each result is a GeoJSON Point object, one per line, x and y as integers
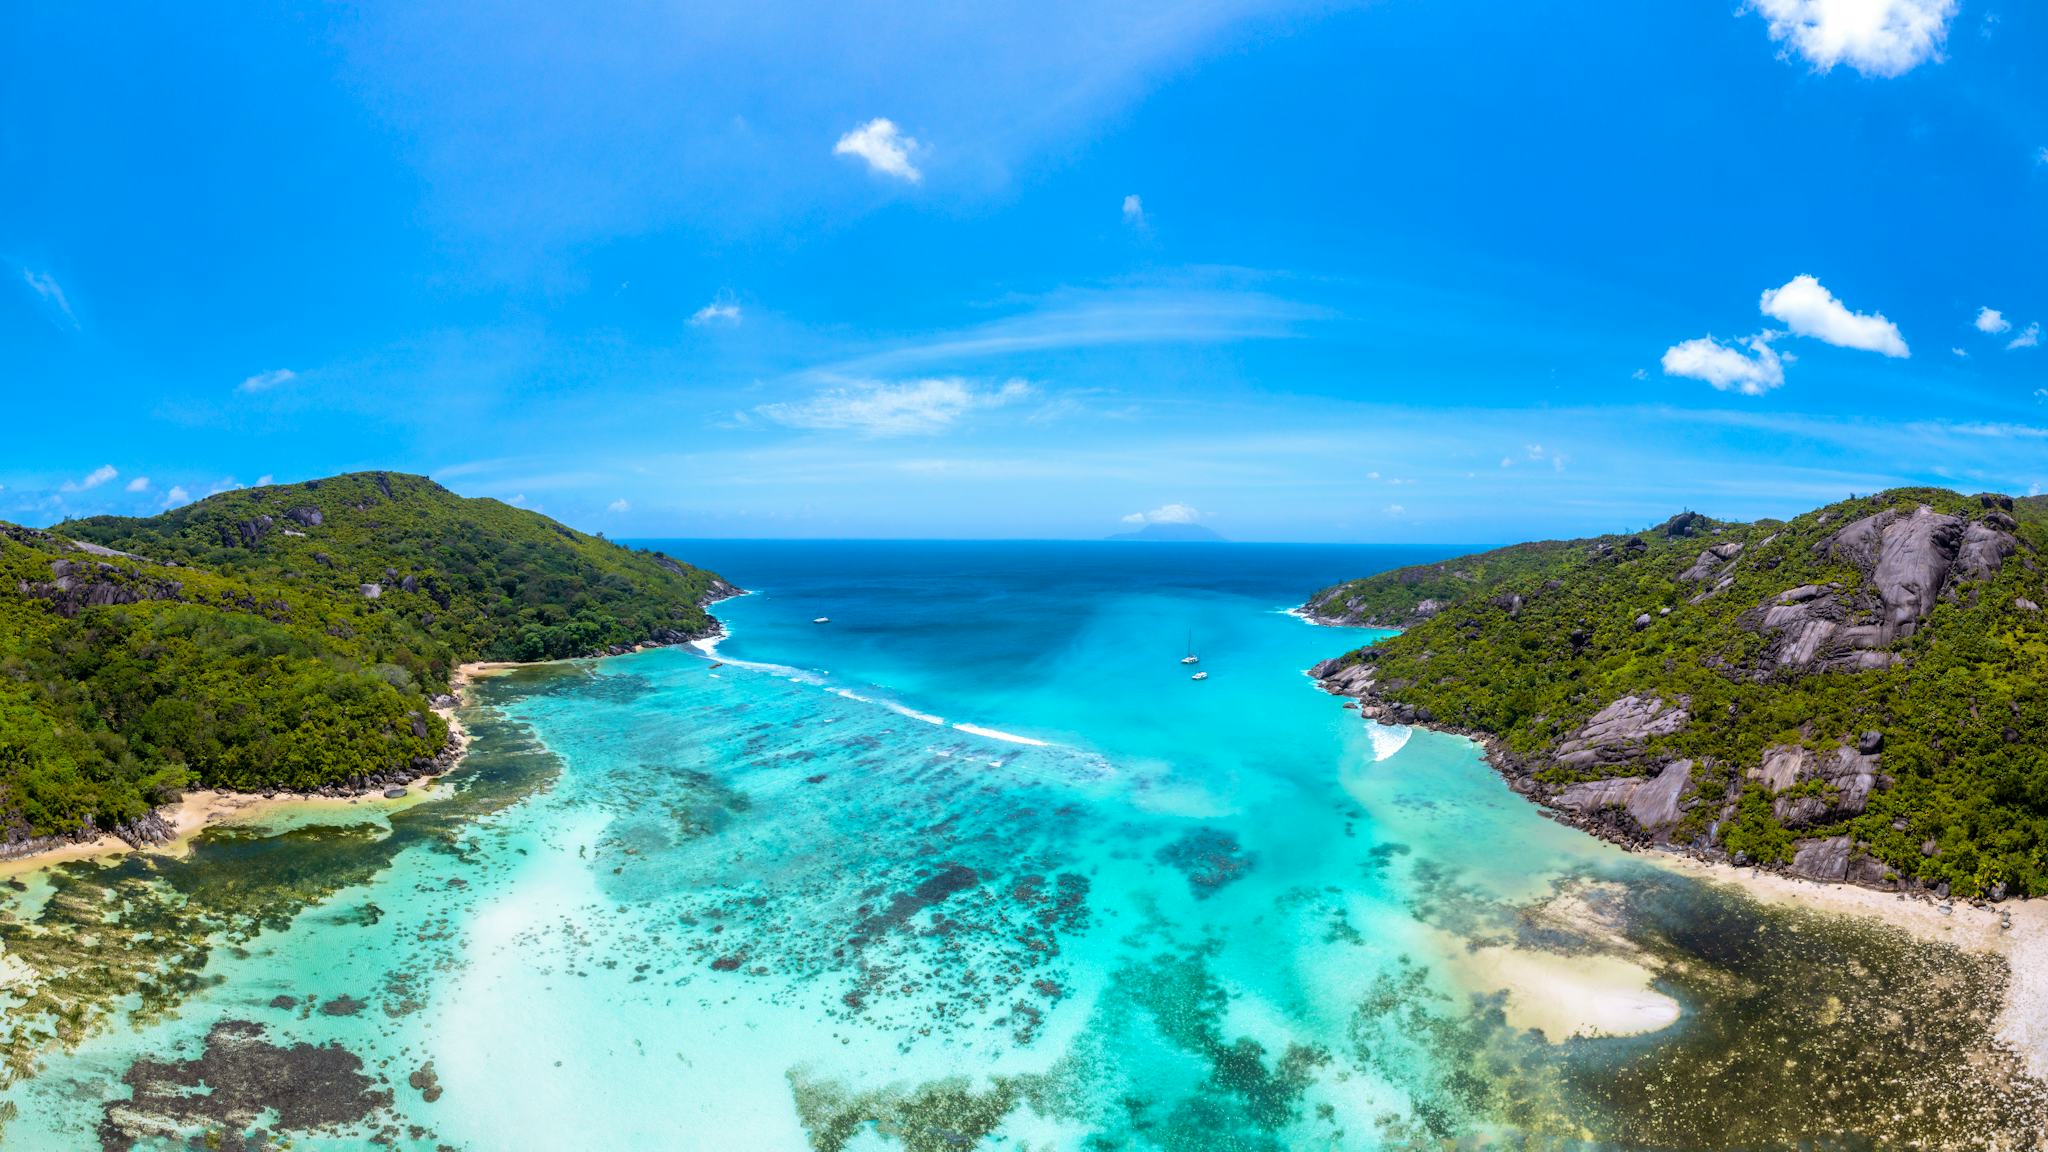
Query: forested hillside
{"type": "Point", "coordinates": [1859, 694]}
{"type": "Point", "coordinates": [289, 636]}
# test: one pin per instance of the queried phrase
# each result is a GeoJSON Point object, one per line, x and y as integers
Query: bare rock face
{"type": "Point", "coordinates": [1781, 767]}
{"type": "Point", "coordinates": [1655, 805]}
{"type": "Point", "coordinates": [1913, 562]}
{"type": "Point", "coordinates": [1837, 859]}
{"type": "Point", "coordinates": [1616, 732]}
{"type": "Point", "coordinates": [1591, 795]}
{"type": "Point", "coordinates": [1850, 777]}
{"type": "Point", "coordinates": [1340, 679]}
{"type": "Point", "coordinates": [1711, 562]}
{"type": "Point", "coordinates": [1652, 802]}
{"type": "Point", "coordinates": [1986, 545]}
{"type": "Point", "coordinates": [1908, 559]}
{"type": "Point", "coordinates": [370, 591]}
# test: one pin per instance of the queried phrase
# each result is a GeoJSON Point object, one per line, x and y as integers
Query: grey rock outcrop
{"type": "Point", "coordinates": [1849, 775]}
{"type": "Point", "coordinates": [309, 516]}
{"type": "Point", "coordinates": [1908, 560]}
{"type": "Point", "coordinates": [1837, 859]}
{"type": "Point", "coordinates": [1341, 679]}
{"type": "Point", "coordinates": [1615, 733]}
{"type": "Point", "coordinates": [75, 586]}
{"type": "Point", "coordinates": [1653, 803]}
{"type": "Point", "coordinates": [1712, 562]}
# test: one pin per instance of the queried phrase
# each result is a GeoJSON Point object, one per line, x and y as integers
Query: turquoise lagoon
{"type": "Point", "coordinates": [973, 865]}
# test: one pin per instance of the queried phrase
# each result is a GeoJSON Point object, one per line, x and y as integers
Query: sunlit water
{"type": "Point", "coordinates": [976, 863]}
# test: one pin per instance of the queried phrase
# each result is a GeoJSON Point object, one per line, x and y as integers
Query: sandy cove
{"type": "Point", "coordinates": [198, 810]}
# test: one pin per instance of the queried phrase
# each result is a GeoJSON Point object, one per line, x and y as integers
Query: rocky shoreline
{"type": "Point", "coordinates": [1634, 813]}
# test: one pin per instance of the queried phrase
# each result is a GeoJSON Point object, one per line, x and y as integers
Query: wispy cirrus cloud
{"type": "Point", "coordinates": [1882, 38]}
{"type": "Point", "coordinates": [908, 408]}
{"type": "Point", "coordinates": [46, 286]}
{"type": "Point", "coordinates": [265, 381]}
{"type": "Point", "coordinates": [714, 313]}
{"type": "Point", "coordinates": [1093, 319]}
{"type": "Point", "coordinates": [2031, 338]}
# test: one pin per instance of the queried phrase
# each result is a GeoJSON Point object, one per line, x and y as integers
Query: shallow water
{"type": "Point", "coordinates": [974, 864]}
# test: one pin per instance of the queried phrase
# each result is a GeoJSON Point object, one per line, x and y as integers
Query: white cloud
{"type": "Point", "coordinates": [1395, 510]}
{"type": "Point", "coordinates": [886, 149]}
{"type": "Point", "coordinates": [1875, 37]}
{"type": "Point", "coordinates": [1725, 366]}
{"type": "Point", "coordinates": [1640, 374]}
{"type": "Point", "coordinates": [93, 479]}
{"type": "Point", "coordinates": [716, 313]}
{"type": "Point", "coordinates": [176, 496]}
{"type": "Point", "coordinates": [1134, 210]}
{"type": "Point", "coordinates": [1992, 321]}
{"type": "Point", "coordinates": [265, 381]}
{"type": "Point", "coordinates": [911, 408]}
{"type": "Point", "coordinates": [2031, 338]}
{"type": "Point", "coordinates": [1165, 514]}
{"type": "Point", "coordinates": [1811, 310]}
{"type": "Point", "coordinates": [47, 287]}
{"type": "Point", "coordinates": [1372, 475]}
{"type": "Point", "coordinates": [618, 505]}
{"type": "Point", "coordinates": [139, 484]}
{"type": "Point", "coordinates": [518, 501]}
{"type": "Point", "coordinates": [1507, 461]}
{"type": "Point", "coordinates": [1960, 353]}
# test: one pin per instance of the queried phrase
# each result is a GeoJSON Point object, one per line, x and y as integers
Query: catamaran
{"type": "Point", "coordinates": [1191, 658]}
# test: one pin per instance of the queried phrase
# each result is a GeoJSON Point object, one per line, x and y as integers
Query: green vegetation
{"type": "Point", "coordinates": [1526, 644]}
{"type": "Point", "coordinates": [286, 637]}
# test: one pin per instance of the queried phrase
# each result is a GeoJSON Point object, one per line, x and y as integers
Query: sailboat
{"type": "Point", "coordinates": [1191, 658]}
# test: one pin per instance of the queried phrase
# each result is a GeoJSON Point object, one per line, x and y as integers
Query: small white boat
{"type": "Point", "coordinates": [822, 620]}
{"type": "Point", "coordinates": [1199, 676]}
{"type": "Point", "coordinates": [1191, 658]}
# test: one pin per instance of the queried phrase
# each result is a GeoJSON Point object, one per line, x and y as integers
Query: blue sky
{"type": "Point", "coordinates": [1396, 271]}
